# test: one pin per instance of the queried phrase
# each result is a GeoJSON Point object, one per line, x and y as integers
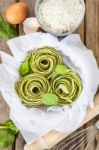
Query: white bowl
{"type": "Point", "coordinates": [58, 34]}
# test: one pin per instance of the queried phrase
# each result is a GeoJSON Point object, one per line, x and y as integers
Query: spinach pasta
{"type": "Point", "coordinates": [44, 61]}
{"type": "Point", "coordinates": [31, 88]}
{"type": "Point", "coordinates": [67, 87]}
{"type": "Point", "coordinates": [45, 80]}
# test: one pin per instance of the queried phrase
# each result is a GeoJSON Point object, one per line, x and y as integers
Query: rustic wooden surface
{"type": "Point", "coordinates": [89, 31]}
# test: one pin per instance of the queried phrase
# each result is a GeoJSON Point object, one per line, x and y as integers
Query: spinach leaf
{"type": "Point", "coordinates": [8, 132]}
{"type": "Point", "coordinates": [10, 125]}
{"type": "Point", "coordinates": [61, 69]}
{"type": "Point", "coordinates": [24, 68]}
{"type": "Point", "coordinates": [50, 99]}
{"type": "Point", "coordinates": [7, 30]}
{"type": "Point", "coordinates": [6, 138]}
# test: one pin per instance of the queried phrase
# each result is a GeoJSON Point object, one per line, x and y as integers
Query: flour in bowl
{"type": "Point", "coordinates": [60, 16]}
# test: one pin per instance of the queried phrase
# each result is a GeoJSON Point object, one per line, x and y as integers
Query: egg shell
{"type": "Point", "coordinates": [31, 25]}
{"type": "Point", "coordinates": [17, 12]}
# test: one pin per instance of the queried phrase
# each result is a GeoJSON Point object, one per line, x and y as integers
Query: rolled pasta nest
{"type": "Point", "coordinates": [68, 87]}
{"type": "Point", "coordinates": [31, 88]}
{"type": "Point", "coordinates": [44, 61]}
{"type": "Point", "coordinates": [44, 79]}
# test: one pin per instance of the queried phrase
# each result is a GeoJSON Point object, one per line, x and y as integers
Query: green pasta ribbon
{"type": "Point", "coordinates": [67, 87]}
{"type": "Point", "coordinates": [44, 60]}
{"type": "Point", "coordinates": [31, 88]}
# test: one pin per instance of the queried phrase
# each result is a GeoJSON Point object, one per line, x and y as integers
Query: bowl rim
{"type": "Point", "coordinates": [58, 34]}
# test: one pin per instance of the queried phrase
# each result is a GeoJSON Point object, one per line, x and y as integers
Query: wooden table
{"type": "Point", "coordinates": [89, 31]}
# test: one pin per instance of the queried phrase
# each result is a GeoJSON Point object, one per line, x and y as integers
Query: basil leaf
{"type": "Point", "coordinates": [7, 30]}
{"type": "Point", "coordinates": [61, 69]}
{"type": "Point", "coordinates": [50, 99]}
{"type": "Point", "coordinates": [6, 138]}
{"type": "Point", "coordinates": [24, 68]}
{"type": "Point", "coordinates": [7, 133]}
{"type": "Point", "coordinates": [10, 125]}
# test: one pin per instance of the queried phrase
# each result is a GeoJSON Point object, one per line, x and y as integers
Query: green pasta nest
{"type": "Point", "coordinates": [45, 80]}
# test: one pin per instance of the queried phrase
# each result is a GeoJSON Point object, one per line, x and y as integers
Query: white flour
{"type": "Point", "coordinates": [59, 16]}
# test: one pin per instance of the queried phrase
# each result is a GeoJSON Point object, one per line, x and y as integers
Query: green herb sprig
{"type": "Point", "coordinates": [7, 30]}
{"type": "Point", "coordinates": [8, 132]}
{"type": "Point", "coordinates": [24, 68]}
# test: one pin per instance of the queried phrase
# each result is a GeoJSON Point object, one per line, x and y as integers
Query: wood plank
{"type": "Point", "coordinates": [97, 29]}
{"type": "Point", "coordinates": [92, 36]}
{"type": "Point", "coordinates": [97, 61]}
{"type": "Point", "coordinates": [31, 4]}
{"type": "Point", "coordinates": [97, 138]}
{"type": "Point", "coordinates": [80, 30]}
{"type": "Point", "coordinates": [90, 25]}
{"type": "Point", "coordinates": [19, 145]}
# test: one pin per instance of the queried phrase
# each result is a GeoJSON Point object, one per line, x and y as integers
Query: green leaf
{"type": "Point", "coordinates": [4, 35]}
{"type": "Point", "coordinates": [6, 138]}
{"type": "Point", "coordinates": [61, 69]}
{"type": "Point", "coordinates": [24, 68]}
{"type": "Point", "coordinates": [10, 125]}
{"type": "Point", "coordinates": [1, 21]}
{"type": "Point", "coordinates": [7, 30]}
{"type": "Point", "coordinates": [8, 130]}
{"type": "Point", "coordinates": [50, 99]}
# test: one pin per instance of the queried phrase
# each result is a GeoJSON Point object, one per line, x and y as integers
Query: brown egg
{"type": "Point", "coordinates": [17, 12]}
